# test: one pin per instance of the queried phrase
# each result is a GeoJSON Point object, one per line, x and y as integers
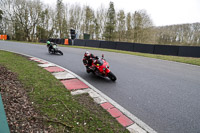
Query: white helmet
{"type": "Point", "coordinates": [87, 54]}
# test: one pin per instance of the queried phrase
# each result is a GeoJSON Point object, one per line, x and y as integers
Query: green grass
{"type": "Point", "coordinates": [188, 60]}
{"type": "Point", "coordinates": [54, 101]}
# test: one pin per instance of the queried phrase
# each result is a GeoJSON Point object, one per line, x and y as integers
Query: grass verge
{"type": "Point", "coordinates": [66, 113]}
{"type": "Point", "coordinates": [188, 60]}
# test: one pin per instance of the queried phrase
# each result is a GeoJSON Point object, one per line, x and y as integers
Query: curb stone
{"type": "Point", "coordinates": [137, 127]}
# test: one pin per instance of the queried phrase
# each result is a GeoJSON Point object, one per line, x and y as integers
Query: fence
{"type": "Point", "coordinates": [187, 51]}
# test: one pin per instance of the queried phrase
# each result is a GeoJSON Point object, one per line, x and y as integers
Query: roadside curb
{"type": "Point", "coordinates": [78, 85]}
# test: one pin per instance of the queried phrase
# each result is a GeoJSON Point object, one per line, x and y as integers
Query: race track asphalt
{"type": "Point", "coordinates": [163, 94]}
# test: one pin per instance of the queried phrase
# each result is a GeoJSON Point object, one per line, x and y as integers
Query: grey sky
{"type": "Point", "coordinates": [162, 12]}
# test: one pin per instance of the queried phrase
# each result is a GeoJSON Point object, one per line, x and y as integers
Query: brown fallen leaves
{"type": "Point", "coordinates": [21, 115]}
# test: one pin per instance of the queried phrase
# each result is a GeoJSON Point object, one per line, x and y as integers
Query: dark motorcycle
{"type": "Point", "coordinates": [53, 49]}
{"type": "Point", "coordinates": [100, 67]}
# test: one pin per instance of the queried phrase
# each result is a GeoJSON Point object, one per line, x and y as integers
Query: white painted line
{"type": "Point", "coordinates": [46, 65]}
{"type": "Point", "coordinates": [135, 129]}
{"type": "Point", "coordinates": [100, 100]}
{"type": "Point", "coordinates": [63, 75]}
{"type": "Point", "coordinates": [78, 92]}
{"type": "Point", "coordinates": [34, 59]}
{"type": "Point", "coordinates": [93, 94]}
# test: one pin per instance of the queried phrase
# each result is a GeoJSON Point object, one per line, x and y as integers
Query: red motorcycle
{"type": "Point", "coordinates": [100, 67]}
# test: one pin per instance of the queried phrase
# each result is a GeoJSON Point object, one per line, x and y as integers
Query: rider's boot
{"type": "Point", "coordinates": [88, 70]}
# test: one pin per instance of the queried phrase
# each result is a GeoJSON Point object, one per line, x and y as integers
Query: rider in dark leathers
{"type": "Point", "coordinates": [88, 59]}
{"type": "Point", "coordinates": [50, 45]}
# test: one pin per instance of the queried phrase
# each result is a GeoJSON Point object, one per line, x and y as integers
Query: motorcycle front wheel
{"type": "Point", "coordinates": [112, 76]}
{"type": "Point", "coordinates": [61, 53]}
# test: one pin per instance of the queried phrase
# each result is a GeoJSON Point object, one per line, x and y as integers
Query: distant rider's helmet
{"type": "Point", "coordinates": [87, 54]}
{"type": "Point", "coordinates": [48, 42]}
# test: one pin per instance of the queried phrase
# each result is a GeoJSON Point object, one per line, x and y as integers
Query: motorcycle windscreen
{"type": "Point", "coordinates": [99, 62]}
